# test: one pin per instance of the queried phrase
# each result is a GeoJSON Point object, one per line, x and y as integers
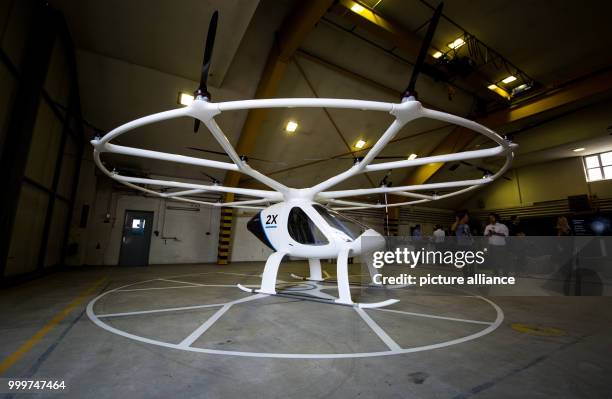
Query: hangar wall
{"type": "Point", "coordinates": [554, 179]}
{"type": "Point", "coordinates": [188, 233]}
{"type": "Point", "coordinates": [543, 182]}
{"type": "Point", "coordinates": [41, 138]}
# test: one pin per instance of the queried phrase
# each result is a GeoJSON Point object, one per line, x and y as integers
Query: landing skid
{"type": "Point", "coordinates": [334, 282]}
{"type": "Point", "coordinates": [330, 301]}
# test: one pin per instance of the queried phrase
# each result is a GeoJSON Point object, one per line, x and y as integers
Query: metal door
{"type": "Point", "coordinates": [136, 238]}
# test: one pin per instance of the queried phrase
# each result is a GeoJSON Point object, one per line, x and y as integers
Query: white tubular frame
{"type": "Point", "coordinates": [404, 113]}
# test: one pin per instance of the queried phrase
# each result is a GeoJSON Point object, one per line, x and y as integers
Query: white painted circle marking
{"type": "Point", "coordinates": [395, 351]}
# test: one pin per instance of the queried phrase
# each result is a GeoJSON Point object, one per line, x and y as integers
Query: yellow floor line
{"type": "Point", "coordinates": [29, 344]}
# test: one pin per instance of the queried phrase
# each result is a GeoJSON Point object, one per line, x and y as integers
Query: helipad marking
{"type": "Point", "coordinates": [95, 318]}
{"type": "Point", "coordinates": [161, 310]}
{"type": "Point", "coordinates": [213, 319]}
{"type": "Point", "coordinates": [378, 330]}
{"type": "Point", "coordinates": [180, 282]}
{"type": "Point", "coordinates": [177, 286]}
{"type": "Point", "coordinates": [434, 316]}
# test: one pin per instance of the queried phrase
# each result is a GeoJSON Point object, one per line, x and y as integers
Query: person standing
{"type": "Point", "coordinates": [438, 234]}
{"type": "Point", "coordinates": [515, 226]}
{"type": "Point", "coordinates": [496, 233]}
{"type": "Point", "coordinates": [463, 238]}
{"type": "Point", "coordinates": [462, 228]}
{"type": "Point", "coordinates": [563, 227]}
{"type": "Point", "coordinates": [564, 256]}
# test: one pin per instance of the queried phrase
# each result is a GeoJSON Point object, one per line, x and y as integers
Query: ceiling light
{"type": "Point", "coordinates": [357, 8]}
{"type": "Point", "coordinates": [499, 91]}
{"type": "Point", "coordinates": [509, 79]}
{"type": "Point", "coordinates": [456, 43]}
{"type": "Point", "coordinates": [437, 55]}
{"type": "Point", "coordinates": [521, 88]}
{"type": "Point", "coordinates": [412, 156]}
{"type": "Point", "coordinates": [291, 126]}
{"type": "Point", "coordinates": [360, 144]}
{"type": "Point", "coordinates": [185, 99]}
{"type": "Point", "coordinates": [578, 149]}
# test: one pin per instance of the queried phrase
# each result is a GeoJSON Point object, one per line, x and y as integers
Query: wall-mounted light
{"type": "Point", "coordinates": [412, 156]}
{"type": "Point", "coordinates": [578, 149]}
{"type": "Point", "coordinates": [185, 98]}
{"type": "Point", "coordinates": [437, 54]}
{"type": "Point", "coordinates": [291, 126]}
{"type": "Point", "coordinates": [360, 144]}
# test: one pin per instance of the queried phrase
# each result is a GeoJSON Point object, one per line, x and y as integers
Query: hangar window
{"type": "Point", "coordinates": [303, 230]}
{"type": "Point", "coordinates": [598, 166]}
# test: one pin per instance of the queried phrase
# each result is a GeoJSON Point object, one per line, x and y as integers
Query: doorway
{"type": "Point", "coordinates": [136, 238]}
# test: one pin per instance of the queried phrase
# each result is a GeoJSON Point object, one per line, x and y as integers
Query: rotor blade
{"type": "Point", "coordinates": [483, 170]}
{"type": "Point", "coordinates": [208, 50]}
{"type": "Point", "coordinates": [209, 151]}
{"type": "Point", "coordinates": [225, 155]}
{"type": "Point", "coordinates": [212, 178]}
{"type": "Point", "coordinates": [431, 29]}
{"type": "Point", "coordinates": [353, 158]}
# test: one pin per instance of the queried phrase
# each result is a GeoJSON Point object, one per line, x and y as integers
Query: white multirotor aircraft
{"type": "Point", "coordinates": [301, 222]}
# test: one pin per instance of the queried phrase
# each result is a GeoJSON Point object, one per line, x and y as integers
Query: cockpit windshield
{"type": "Point", "coordinates": [345, 224]}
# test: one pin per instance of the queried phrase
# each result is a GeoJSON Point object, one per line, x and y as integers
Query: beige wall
{"type": "Point", "coordinates": [539, 183]}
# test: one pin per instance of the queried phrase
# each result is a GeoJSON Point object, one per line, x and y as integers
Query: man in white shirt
{"type": "Point", "coordinates": [496, 233]}
{"type": "Point", "coordinates": [438, 234]}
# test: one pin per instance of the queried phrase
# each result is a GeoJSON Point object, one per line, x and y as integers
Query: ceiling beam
{"type": "Point", "coordinates": [459, 138]}
{"type": "Point", "coordinates": [293, 31]}
{"type": "Point", "coordinates": [410, 42]}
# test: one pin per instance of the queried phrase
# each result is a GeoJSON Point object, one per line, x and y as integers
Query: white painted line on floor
{"type": "Point", "coordinates": [431, 316]}
{"type": "Point", "coordinates": [189, 274]}
{"type": "Point", "coordinates": [378, 330]}
{"type": "Point", "coordinates": [213, 319]}
{"type": "Point", "coordinates": [207, 324]}
{"type": "Point", "coordinates": [161, 310]}
{"type": "Point", "coordinates": [240, 274]}
{"type": "Point", "coordinates": [179, 286]}
{"type": "Point", "coordinates": [94, 318]}
{"type": "Point", "coordinates": [180, 282]}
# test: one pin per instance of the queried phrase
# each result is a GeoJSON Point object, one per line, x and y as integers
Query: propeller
{"type": "Point", "coordinates": [213, 179]}
{"type": "Point", "coordinates": [418, 66]}
{"type": "Point", "coordinates": [385, 182]}
{"type": "Point", "coordinates": [244, 158]}
{"type": "Point", "coordinates": [202, 90]}
{"type": "Point", "coordinates": [357, 158]}
{"type": "Point", "coordinates": [483, 170]}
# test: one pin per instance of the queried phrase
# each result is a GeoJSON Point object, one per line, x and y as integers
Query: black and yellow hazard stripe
{"type": "Point", "coordinates": [225, 236]}
{"type": "Point", "coordinates": [392, 222]}
{"type": "Point", "coordinates": [393, 227]}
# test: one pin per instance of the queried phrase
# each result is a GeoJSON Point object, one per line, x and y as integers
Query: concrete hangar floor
{"type": "Point", "coordinates": [186, 331]}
